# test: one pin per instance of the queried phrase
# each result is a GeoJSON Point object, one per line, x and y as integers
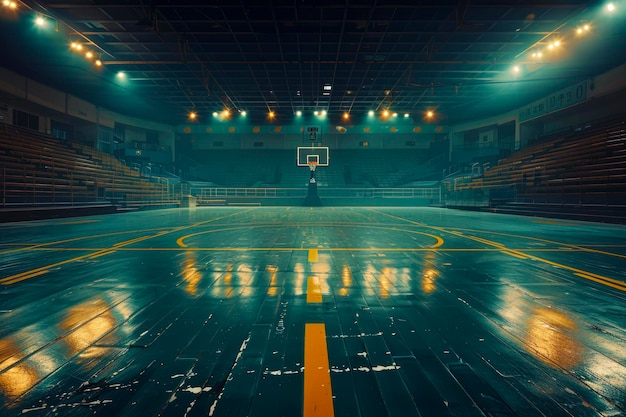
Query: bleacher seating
{"type": "Point", "coordinates": [37, 169]}
{"type": "Point", "coordinates": [586, 167]}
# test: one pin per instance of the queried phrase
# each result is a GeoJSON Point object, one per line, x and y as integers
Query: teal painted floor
{"type": "Point", "coordinates": [403, 312]}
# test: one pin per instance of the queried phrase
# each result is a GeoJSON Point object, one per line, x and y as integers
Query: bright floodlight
{"type": "Point", "coordinates": [370, 113]}
{"type": "Point", "coordinates": [193, 115]}
{"type": "Point", "coordinates": [430, 114]}
{"type": "Point", "coordinates": [406, 115]}
{"type": "Point", "coordinates": [243, 113]}
{"type": "Point", "coordinates": [299, 113]}
{"type": "Point", "coordinates": [40, 21]}
{"type": "Point", "coordinates": [516, 69]}
{"type": "Point", "coordinates": [610, 7]}
{"type": "Point", "coordinates": [346, 115]}
{"type": "Point", "coordinates": [121, 75]}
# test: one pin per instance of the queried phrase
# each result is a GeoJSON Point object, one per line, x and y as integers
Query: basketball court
{"type": "Point", "coordinates": [312, 311]}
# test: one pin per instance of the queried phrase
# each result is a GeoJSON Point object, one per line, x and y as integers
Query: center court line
{"type": "Point", "coordinates": [318, 396]}
{"type": "Point", "coordinates": [314, 290]}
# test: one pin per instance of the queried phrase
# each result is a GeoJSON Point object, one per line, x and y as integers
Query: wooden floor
{"type": "Point", "coordinates": [312, 312]}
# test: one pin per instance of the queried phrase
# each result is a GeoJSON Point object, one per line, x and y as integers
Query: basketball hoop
{"type": "Point", "coordinates": [312, 165]}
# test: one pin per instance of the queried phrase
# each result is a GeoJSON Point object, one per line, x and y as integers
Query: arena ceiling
{"type": "Point", "coordinates": [455, 57]}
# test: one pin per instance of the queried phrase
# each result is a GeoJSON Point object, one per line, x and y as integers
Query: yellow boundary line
{"type": "Point", "coordinates": [601, 279]}
{"type": "Point", "coordinates": [22, 276]}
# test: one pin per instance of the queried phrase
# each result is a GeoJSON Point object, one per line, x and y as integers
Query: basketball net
{"type": "Point", "coordinates": [312, 165]}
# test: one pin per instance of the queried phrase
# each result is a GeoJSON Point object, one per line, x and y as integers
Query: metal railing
{"type": "Point", "coordinates": [432, 193]}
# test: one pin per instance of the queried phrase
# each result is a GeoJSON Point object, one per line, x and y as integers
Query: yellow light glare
{"type": "Point", "coordinates": [346, 115]}
{"type": "Point", "coordinates": [89, 55]}
{"type": "Point", "coordinates": [430, 114]}
{"type": "Point", "coordinates": [610, 7]}
{"type": "Point", "coordinates": [226, 113]}
{"type": "Point", "coordinates": [98, 63]}
{"type": "Point", "coordinates": [557, 43]}
{"type": "Point", "coordinates": [516, 69]}
{"type": "Point", "coordinates": [271, 114]}
{"type": "Point", "coordinates": [586, 27]}
{"type": "Point", "coordinates": [193, 115]}
{"type": "Point", "coordinates": [386, 113]}
{"type": "Point", "coordinates": [6, 2]}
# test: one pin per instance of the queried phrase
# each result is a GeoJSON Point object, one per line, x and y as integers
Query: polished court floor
{"type": "Point", "coordinates": [312, 312]}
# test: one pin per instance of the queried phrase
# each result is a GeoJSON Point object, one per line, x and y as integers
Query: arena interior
{"type": "Point", "coordinates": [313, 208]}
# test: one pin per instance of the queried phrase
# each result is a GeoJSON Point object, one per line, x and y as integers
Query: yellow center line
{"type": "Point", "coordinates": [318, 396]}
{"type": "Point", "coordinates": [314, 290]}
{"type": "Point", "coordinates": [313, 255]}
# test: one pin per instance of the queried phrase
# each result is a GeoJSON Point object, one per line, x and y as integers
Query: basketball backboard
{"type": "Point", "coordinates": [318, 154]}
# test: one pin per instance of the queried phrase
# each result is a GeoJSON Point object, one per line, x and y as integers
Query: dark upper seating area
{"type": "Point", "coordinates": [584, 167]}
{"type": "Point", "coordinates": [37, 169]}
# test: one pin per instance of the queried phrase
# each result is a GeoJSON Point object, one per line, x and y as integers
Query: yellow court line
{"type": "Point", "coordinates": [601, 279]}
{"type": "Point", "coordinates": [181, 240]}
{"type": "Point", "coordinates": [318, 396]}
{"type": "Point", "coordinates": [12, 279]}
{"type": "Point", "coordinates": [24, 277]}
{"type": "Point", "coordinates": [313, 255]}
{"type": "Point", "coordinates": [313, 290]}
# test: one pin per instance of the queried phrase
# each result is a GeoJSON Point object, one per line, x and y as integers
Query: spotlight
{"type": "Point", "coordinates": [121, 75]}
{"type": "Point", "coordinates": [346, 115]}
{"type": "Point", "coordinates": [323, 113]}
{"type": "Point", "coordinates": [89, 55]}
{"type": "Point", "coordinates": [243, 113]}
{"type": "Point", "coordinates": [385, 113]}
{"type": "Point", "coordinates": [406, 115]}
{"type": "Point", "coordinates": [516, 69]}
{"type": "Point", "coordinates": [610, 7]}
{"type": "Point", "coordinates": [40, 21]}
{"type": "Point", "coordinates": [299, 113]}
{"type": "Point", "coordinates": [193, 115]}
{"type": "Point", "coordinates": [98, 63]}
{"type": "Point", "coordinates": [316, 113]}
{"type": "Point", "coordinates": [395, 115]}
{"type": "Point", "coordinates": [430, 114]}
{"type": "Point", "coordinates": [271, 114]}
{"type": "Point", "coordinates": [370, 113]}
{"type": "Point", "coordinates": [215, 114]}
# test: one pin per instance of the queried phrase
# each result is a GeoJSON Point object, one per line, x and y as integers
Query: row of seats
{"type": "Point", "coordinates": [587, 166]}
{"type": "Point", "coordinates": [37, 169]}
